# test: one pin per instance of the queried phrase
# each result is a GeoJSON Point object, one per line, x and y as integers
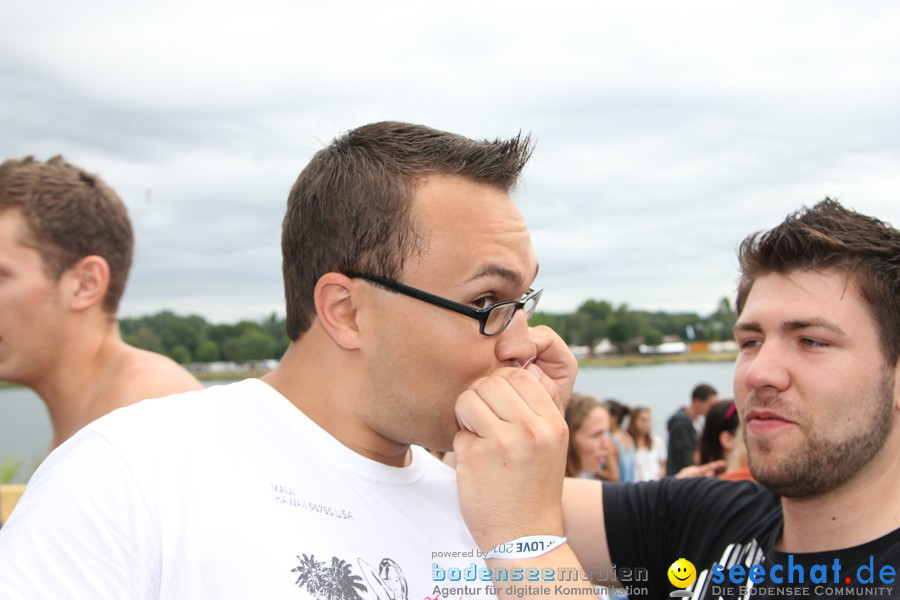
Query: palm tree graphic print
{"type": "Point", "coordinates": [328, 582]}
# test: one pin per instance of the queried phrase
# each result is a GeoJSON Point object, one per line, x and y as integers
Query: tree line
{"type": "Point", "coordinates": [193, 339]}
{"type": "Point", "coordinates": [596, 320]}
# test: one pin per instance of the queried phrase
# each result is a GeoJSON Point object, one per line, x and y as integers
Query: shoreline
{"type": "Point", "coordinates": [637, 360]}
{"type": "Point", "coordinates": [628, 360]}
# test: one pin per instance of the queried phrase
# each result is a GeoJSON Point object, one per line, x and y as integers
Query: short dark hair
{"type": "Point", "coordinates": [350, 208]}
{"type": "Point", "coordinates": [70, 214]}
{"type": "Point", "coordinates": [703, 392]}
{"type": "Point", "coordinates": [829, 236]}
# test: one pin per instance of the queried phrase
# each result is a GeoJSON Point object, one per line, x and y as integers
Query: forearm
{"type": "Point", "coordinates": [557, 574]}
{"type": "Point", "coordinates": [515, 438]}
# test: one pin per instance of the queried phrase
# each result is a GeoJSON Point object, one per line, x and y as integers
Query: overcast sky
{"type": "Point", "coordinates": [666, 131]}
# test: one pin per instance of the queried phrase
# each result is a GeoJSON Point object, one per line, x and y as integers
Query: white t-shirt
{"type": "Point", "coordinates": [231, 492]}
{"type": "Point", "coordinates": [647, 461]}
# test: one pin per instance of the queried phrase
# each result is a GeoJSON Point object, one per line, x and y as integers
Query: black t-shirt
{"type": "Point", "coordinates": [728, 531]}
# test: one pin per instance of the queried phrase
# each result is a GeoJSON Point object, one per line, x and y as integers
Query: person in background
{"type": "Point", "coordinates": [721, 440]}
{"type": "Point", "coordinates": [65, 252]}
{"type": "Point", "coordinates": [624, 443]}
{"type": "Point", "coordinates": [589, 440]}
{"type": "Point", "coordinates": [650, 450]}
{"type": "Point", "coordinates": [684, 427]}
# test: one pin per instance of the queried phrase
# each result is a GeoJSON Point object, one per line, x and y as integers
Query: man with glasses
{"type": "Point", "coordinates": [408, 272]}
{"type": "Point", "coordinates": [492, 319]}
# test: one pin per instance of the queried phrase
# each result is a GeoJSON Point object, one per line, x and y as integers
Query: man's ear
{"type": "Point", "coordinates": [337, 309]}
{"type": "Point", "coordinates": [87, 282]}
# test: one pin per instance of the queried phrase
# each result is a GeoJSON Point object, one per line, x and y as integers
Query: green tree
{"type": "Point", "coordinates": [596, 310]}
{"type": "Point", "coordinates": [207, 351]}
{"type": "Point", "coordinates": [180, 354]}
{"type": "Point", "coordinates": [8, 468]}
{"type": "Point", "coordinates": [219, 333]}
{"type": "Point", "coordinates": [653, 336]}
{"type": "Point", "coordinates": [251, 344]}
{"type": "Point", "coordinates": [178, 332]}
{"type": "Point", "coordinates": [623, 326]}
{"type": "Point", "coordinates": [593, 320]}
{"type": "Point", "coordinates": [275, 327]}
{"type": "Point", "coordinates": [144, 337]}
{"type": "Point", "coordinates": [720, 324]}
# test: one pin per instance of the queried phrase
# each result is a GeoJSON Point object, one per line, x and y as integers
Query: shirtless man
{"type": "Point", "coordinates": [65, 250]}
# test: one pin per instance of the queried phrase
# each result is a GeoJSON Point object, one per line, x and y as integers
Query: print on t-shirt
{"type": "Point", "coordinates": [337, 581]}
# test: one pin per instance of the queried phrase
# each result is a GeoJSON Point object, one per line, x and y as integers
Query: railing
{"type": "Point", "coordinates": [9, 495]}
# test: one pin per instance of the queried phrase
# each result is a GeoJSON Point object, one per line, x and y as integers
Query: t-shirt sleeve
{"type": "Point", "coordinates": [632, 515]}
{"type": "Point", "coordinates": [651, 524]}
{"type": "Point", "coordinates": [83, 529]}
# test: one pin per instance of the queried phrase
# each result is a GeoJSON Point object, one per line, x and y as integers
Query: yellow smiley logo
{"type": "Point", "coordinates": [682, 573]}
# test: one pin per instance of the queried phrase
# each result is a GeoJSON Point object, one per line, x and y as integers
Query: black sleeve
{"type": "Point", "coordinates": [650, 525]}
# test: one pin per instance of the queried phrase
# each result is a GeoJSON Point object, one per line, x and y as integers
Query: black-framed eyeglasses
{"type": "Point", "coordinates": [492, 319]}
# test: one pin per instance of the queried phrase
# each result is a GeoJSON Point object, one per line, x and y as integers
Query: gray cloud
{"type": "Point", "coordinates": [666, 133]}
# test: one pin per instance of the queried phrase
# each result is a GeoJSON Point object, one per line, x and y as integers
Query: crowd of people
{"type": "Point", "coordinates": [602, 447]}
{"type": "Point", "coordinates": [316, 476]}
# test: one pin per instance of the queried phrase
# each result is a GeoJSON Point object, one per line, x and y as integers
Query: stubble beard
{"type": "Point", "coordinates": [821, 465]}
{"type": "Point", "coordinates": [404, 412]}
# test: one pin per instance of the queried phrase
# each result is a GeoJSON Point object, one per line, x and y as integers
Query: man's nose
{"type": "Point", "coordinates": [514, 345]}
{"type": "Point", "coordinates": [768, 367]}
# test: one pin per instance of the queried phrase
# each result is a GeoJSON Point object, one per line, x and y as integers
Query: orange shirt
{"type": "Point", "coordinates": [738, 474]}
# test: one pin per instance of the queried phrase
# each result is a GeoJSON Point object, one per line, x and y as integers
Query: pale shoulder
{"type": "Point", "coordinates": [143, 374]}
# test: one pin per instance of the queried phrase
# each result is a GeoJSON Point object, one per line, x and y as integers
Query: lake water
{"type": "Point", "coordinates": [25, 428]}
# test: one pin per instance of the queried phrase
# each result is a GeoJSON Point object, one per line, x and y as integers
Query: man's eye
{"type": "Point", "coordinates": [811, 343]}
{"type": "Point", "coordinates": [751, 343]}
{"type": "Point", "coordinates": [484, 301]}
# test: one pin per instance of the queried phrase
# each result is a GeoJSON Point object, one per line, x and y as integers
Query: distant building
{"type": "Point", "coordinates": [664, 348]}
{"type": "Point", "coordinates": [726, 346]}
{"type": "Point", "coordinates": [580, 351]}
{"type": "Point", "coordinates": [604, 347]}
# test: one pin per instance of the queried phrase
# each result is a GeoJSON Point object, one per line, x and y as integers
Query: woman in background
{"type": "Point", "coordinates": [624, 443]}
{"type": "Point", "coordinates": [721, 440]}
{"type": "Point", "coordinates": [588, 454]}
